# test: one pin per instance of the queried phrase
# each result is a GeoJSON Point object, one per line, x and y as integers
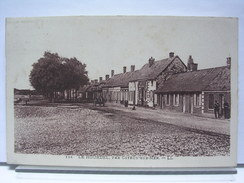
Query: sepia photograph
{"type": "Point", "coordinates": [122, 91]}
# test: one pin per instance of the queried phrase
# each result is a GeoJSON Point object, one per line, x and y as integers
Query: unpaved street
{"type": "Point", "coordinates": [88, 130]}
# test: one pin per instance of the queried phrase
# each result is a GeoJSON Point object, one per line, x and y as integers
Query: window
{"type": "Point", "coordinates": [119, 96]}
{"type": "Point", "coordinates": [210, 101]}
{"type": "Point", "coordinates": [167, 99]}
{"type": "Point", "coordinates": [197, 99]}
{"type": "Point", "coordinates": [176, 99]}
{"type": "Point", "coordinates": [122, 95]}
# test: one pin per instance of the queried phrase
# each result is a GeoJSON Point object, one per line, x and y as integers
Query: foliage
{"type": "Point", "coordinates": [53, 73]}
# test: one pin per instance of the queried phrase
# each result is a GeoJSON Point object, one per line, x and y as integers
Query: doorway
{"type": "Point", "coordinates": [184, 103]}
{"type": "Point", "coordinates": [221, 104]}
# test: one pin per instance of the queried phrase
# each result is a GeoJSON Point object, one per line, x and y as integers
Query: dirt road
{"type": "Point", "coordinates": [99, 131]}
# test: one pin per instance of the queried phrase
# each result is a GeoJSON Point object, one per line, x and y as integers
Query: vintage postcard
{"type": "Point", "coordinates": [122, 91]}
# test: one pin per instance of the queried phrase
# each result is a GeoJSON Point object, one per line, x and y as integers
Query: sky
{"type": "Point", "coordinates": [104, 43]}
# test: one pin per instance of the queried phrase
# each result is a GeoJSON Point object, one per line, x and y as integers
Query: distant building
{"type": "Point", "coordinates": [91, 91]}
{"type": "Point", "coordinates": [116, 88]}
{"type": "Point", "coordinates": [196, 91]}
{"type": "Point", "coordinates": [23, 91]}
{"type": "Point", "coordinates": [26, 95]}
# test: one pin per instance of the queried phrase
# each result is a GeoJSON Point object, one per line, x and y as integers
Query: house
{"type": "Point", "coordinates": [86, 93]}
{"type": "Point", "coordinates": [143, 85]}
{"type": "Point", "coordinates": [90, 92]}
{"type": "Point", "coordinates": [116, 87]}
{"type": "Point", "coordinates": [68, 94]}
{"type": "Point", "coordinates": [196, 91]}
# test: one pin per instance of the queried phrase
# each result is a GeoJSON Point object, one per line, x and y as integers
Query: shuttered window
{"type": "Point", "coordinates": [197, 99]}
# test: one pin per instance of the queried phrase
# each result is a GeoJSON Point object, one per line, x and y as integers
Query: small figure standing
{"type": "Point", "coordinates": [216, 109]}
{"type": "Point", "coordinates": [226, 110]}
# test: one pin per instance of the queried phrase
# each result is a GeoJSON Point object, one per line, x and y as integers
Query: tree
{"type": "Point", "coordinates": [53, 73]}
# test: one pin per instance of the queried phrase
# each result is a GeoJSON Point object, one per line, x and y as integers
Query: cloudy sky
{"type": "Point", "coordinates": [105, 43]}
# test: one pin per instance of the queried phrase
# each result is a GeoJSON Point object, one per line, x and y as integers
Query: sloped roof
{"type": "Point", "coordinates": [121, 80]}
{"type": "Point", "coordinates": [84, 88]}
{"type": "Point", "coordinates": [221, 82]}
{"type": "Point", "coordinates": [217, 79]}
{"type": "Point", "coordinates": [147, 72]}
{"type": "Point", "coordinates": [96, 86]}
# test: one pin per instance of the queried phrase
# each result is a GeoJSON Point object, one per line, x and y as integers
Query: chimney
{"type": "Point", "coordinates": [95, 81]}
{"type": "Point", "coordinates": [107, 77]}
{"type": "Point", "coordinates": [100, 79]}
{"type": "Point", "coordinates": [194, 67]}
{"type": "Point", "coordinates": [112, 73]}
{"type": "Point", "coordinates": [132, 68]}
{"type": "Point", "coordinates": [124, 69]}
{"type": "Point", "coordinates": [228, 61]}
{"type": "Point", "coordinates": [191, 66]}
{"type": "Point", "coordinates": [171, 54]}
{"type": "Point", "coordinates": [190, 60]}
{"type": "Point", "coordinates": [151, 61]}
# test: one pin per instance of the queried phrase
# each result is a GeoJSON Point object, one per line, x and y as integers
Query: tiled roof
{"type": "Point", "coordinates": [147, 72]}
{"type": "Point", "coordinates": [96, 86]}
{"type": "Point", "coordinates": [221, 82]}
{"type": "Point", "coordinates": [217, 79]}
{"type": "Point", "coordinates": [121, 80]}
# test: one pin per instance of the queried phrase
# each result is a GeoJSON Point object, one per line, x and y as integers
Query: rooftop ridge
{"type": "Point", "coordinates": [199, 70]}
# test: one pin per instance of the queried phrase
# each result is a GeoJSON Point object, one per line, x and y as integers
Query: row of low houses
{"type": "Point", "coordinates": [166, 84]}
{"type": "Point", "coordinates": [196, 91]}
